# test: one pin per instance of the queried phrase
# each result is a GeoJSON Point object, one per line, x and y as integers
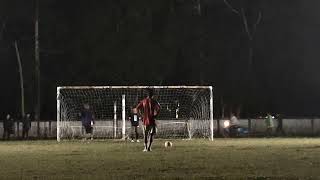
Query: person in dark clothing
{"type": "Point", "coordinates": [279, 130]}
{"type": "Point", "coordinates": [26, 125]}
{"type": "Point", "coordinates": [87, 119]}
{"type": "Point", "coordinates": [7, 127]}
{"type": "Point", "coordinates": [134, 119]}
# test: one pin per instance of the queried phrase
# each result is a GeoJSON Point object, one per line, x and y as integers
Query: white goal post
{"type": "Point", "coordinates": [186, 111]}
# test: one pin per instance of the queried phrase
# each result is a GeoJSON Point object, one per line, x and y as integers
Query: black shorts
{"type": "Point", "coordinates": [88, 129]}
{"type": "Point", "coordinates": [152, 129]}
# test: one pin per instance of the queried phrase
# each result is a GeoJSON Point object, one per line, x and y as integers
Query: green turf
{"type": "Point", "coordinates": [194, 159]}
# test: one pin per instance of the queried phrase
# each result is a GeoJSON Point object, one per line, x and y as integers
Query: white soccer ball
{"type": "Point", "coordinates": [167, 144]}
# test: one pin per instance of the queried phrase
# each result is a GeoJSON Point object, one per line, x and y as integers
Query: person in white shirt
{"type": "Point", "coordinates": [234, 121]}
{"type": "Point", "coordinates": [234, 125]}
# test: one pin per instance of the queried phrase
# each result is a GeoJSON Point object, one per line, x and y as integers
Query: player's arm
{"type": "Point", "coordinates": [139, 107]}
{"type": "Point", "coordinates": [156, 109]}
{"type": "Point", "coordinates": [80, 116]}
{"type": "Point", "coordinates": [93, 119]}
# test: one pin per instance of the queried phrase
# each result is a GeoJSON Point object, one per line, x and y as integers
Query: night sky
{"type": "Point", "coordinates": [174, 42]}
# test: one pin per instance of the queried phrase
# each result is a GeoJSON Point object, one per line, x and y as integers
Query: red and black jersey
{"type": "Point", "coordinates": [150, 109]}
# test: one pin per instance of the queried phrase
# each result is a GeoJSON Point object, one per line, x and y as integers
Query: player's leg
{"type": "Point", "coordinates": [132, 133]}
{"type": "Point", "coordinates": [87, 133]}
{"type": "Point", "coordinates": [278, 131]}
{"type": "Point", "coordinates": [150, 141]}
{"type": "Point", "coordinates": [23, 132]}
{"type": "Point", "coordinates": [136, 133]}
{"type": "Point", "coordinates": [91, 133]}
{"type": "Point", "coordinates": [4, 134]}
{"type": "Point", "coordinates": [146, 134]}
{"type": "Point", "coordinates": [83, 132]}
{"type": "Point", "coordinates": [152, 133]}
{"type": "Point", "coordinates": [27, 134]}
{"type": "Point", "coordinates": [8, 134]}
{"type": "Point", "coordinates": [269, 131]}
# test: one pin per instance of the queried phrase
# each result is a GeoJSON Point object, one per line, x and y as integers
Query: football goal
{"type": "Point", "coordinates": [186, 111]}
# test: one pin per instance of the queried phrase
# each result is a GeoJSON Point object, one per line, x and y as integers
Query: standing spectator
{"type": "Point", "coordinates": [134, 119]}
{"type": "Point", "coordinates": [234, 121]}
{"type": "Point", "coordinates": [234, 125]}
{"type": "Point", "coordinates": [269, 124]}
{"type": "Point", "coordinates": [279, 129]}
{"type": "Point", "coordinates": [18, 119]}
{"type": "Point", "coordinates": [5, 127]}
{"type": "Point", "coordinates": [26, 125]}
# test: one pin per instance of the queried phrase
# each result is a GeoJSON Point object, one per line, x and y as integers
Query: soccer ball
{"type": "Point", "coordinates": [167, 144]}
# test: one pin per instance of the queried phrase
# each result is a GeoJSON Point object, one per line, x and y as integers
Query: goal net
{"type": "Point", "coordinates": [186, 111]}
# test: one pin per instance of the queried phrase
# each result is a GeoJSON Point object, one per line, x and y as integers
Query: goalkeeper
{"type": "Point", "coordinates": [87, 119]}
{"type": "Point", "coordinates": [149, 108]}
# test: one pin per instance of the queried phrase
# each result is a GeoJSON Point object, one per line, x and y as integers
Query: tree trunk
{"type": "Point", "coordinates": [37, 69]}
{"type": "Point", "coordinates": [21, 79]}
{"type": "Point", "coordinates": [21, 86]}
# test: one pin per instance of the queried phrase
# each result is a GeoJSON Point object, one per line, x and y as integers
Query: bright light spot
{"type": "Point", "coordinates": [226, 124]}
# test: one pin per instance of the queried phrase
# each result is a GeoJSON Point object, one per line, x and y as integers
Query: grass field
{"type": "Point", "coordinates": [290, 158]}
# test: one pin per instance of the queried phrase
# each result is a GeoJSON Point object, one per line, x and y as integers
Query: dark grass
{"type": "Point", "coordinates": [274, 158]}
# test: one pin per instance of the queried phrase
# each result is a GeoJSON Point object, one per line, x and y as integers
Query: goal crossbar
{"type": "Point", "coordinates": [134, 87]}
